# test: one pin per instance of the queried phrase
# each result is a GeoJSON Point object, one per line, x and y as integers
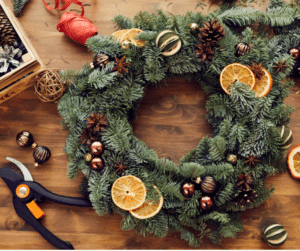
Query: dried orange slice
{"type": "Point", "coordinates": [128, 36]}
{"type": "Point", "coordinates": [128, 192]}
{"type": "Point", "coordinates": [263, 85]}
{"type": "Point", "coordinates": [294, 161]}
{"type": "Point", "coordinates": [119, 34]}
{"type": "Point", "coordinates": [148, 209]}
{"type": "Point", "coordinates": [236, 72]}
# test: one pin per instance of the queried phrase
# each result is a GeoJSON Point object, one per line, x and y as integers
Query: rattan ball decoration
{"type": "Point", "coordinates": [48, 86]}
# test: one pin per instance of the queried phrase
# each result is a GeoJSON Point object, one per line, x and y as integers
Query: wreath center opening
{"type": "Point", "coordinates": [171, 119]}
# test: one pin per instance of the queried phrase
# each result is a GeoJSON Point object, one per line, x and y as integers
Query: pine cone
{"type": "Point", "coordinates": [205, 51]}
{"type": "Point", "coordinates": [212, 32]}
{"type": "Point", "coordinates": [244, 182]}
{"type": "Point", "coordinates": [97, 122]}
{"type": "Point", "coordinates": [87, 137]}
{"type": "Point", "coordinates": [245, 197]}
{"type": "Point", "coordinates": [8, 34]}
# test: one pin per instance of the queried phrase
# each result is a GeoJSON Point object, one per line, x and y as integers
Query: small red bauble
{"type": "Point", "coordinates": [96, 164]}
{"type": "Point", "coordinates": [206, 203]}
{"type": "Point", "coordinates": [96, 148]}
{"type": "Point", "coordinates": [188, 189]}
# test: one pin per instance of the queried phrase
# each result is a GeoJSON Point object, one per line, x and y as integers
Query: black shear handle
{"type": "Point", "coordinates": [39, 190]}
{"type": "Point", "coordinates": [26, 215]}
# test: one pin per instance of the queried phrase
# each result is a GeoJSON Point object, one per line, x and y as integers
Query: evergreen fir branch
{"type": "Point", "coordinates": [165, 165]}
{"type": "Point", "coordinates": [237, 136]}
{"type": "Point", "coordinates": [102, 44]}
{"type": "Point", "coordinates": [240, 16]}
{"type": "Point", "coordinates": [99, 187]}
{"type": "Point", "coordinates": [18, 6]}
{"type": "Point", "coordinates": [182, 63]}
{"type": "Point", "coordinates": [100, 79]}
{"type": "Point", "coordinates": [262, 108]}
{"type": "Point", "coordinates": [281, 114]}
{"type": "Point", "coordinates": [219, 106]}
{"type": "Point", "coordinates": [230, 229]}
{"type": "Point", "coordinates": [243, 98]}
{"type": "Point", "coordinates": [190, 238]}
{"type": "Point", "coordinates": [147, 35]}
{"type": "Point", "coordinates": [67, 75]}
{"type": "Point", "coordinates": [122, 22]}
{"type": "Point", "coordinates": [139, 151]}
{"type": "Point", "coordinates": [222, 218]}
{"type": "Point", "coordinates": [72, 170]}
{"type": "Point", "coordinates": [116, 136]}
{"type": "Point", "coordinates": [280, 16]}
{"type": "Point", "coordinates": [191, 170]}
{"type": "Point", "coordinates": [220, 171]}
{"type": "Point", "coordinates": [225, 195]}
{"type": "Point", "coordinates": [217, 148]}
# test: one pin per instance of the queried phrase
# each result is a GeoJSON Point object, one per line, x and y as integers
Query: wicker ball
{"type": "Point", "coordinates": [48, 86]}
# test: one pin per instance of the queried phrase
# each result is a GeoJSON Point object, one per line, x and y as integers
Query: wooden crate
{"type": "Point", "coordinates": [22, 77]}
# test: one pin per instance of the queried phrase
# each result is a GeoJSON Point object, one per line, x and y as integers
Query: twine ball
{"type": "Point", "coordinates": [48, 86]}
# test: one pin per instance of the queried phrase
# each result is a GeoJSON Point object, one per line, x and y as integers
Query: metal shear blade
{"type": "Point", "coordinates": [26, 174]}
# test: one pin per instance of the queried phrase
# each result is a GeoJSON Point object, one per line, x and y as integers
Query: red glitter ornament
{"type": "Point", "coordinates": [77, 27]}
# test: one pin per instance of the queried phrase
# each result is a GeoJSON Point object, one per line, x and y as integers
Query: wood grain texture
{"type": "Point", "coordinates": [171, 120]}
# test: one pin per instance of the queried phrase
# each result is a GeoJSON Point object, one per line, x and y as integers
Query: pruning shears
{"type": "Point", "coordinates": [27, 192]}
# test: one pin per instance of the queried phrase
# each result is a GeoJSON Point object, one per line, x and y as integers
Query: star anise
{"type": "Point", "coordinates": [280, 66]}
{"type": "Point", "coordinates": [257, 70]}
{"type": "Point", "coordinates": [120, 65]}
{"type": "Point", "coordinates": [251, 160]}
{"type": "Point", "coordinates": [120, 167]}
{"type": "Point", "coordinates": [244, 182]}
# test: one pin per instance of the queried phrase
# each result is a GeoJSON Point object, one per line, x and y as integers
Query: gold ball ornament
{"type": "Point", "coordinates": [169, 42]}
{"type": "Point", "coordinates": [48, 86]}
{"type": "Point", "coordinates": [231, 158]}
{"type": "Point", "coordinates": [194, 26]}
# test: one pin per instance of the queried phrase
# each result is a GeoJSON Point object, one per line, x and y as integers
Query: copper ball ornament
{"type": "Point", "coordinates": [25, 139]}
{"type": "Point", "coordinates": [188, 189]}
{"type": "Point", "coordinates": [96, 164]}
{"type": "Point", "coordinates": [206, 203]}
{"type": "Point", "coordinates": [41, 154]}
{"type": "Point", "coordinates": [208, 185]}
{"type": "Point", "coordinates": [96, 148]}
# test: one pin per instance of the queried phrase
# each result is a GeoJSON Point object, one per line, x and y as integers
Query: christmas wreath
{"type": "Point", "coordinates": [225, 174]}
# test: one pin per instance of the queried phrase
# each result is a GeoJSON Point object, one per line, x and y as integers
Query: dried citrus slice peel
{"type": "Point", "coordinates": [236, 72]}
{"type": "Point", "coordinates": [263, 85]}
{"type": "Point", "coordinates": [148, 209]}
{"type": "Point", "coordinates": [294, 161]}
{"type": "Point", "coordinates": [128, 36]}
{"type": "Point", "coordinates": [128, 192]}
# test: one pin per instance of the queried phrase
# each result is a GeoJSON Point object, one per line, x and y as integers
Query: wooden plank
{"type": "Point", "coordinates": [171, 120]}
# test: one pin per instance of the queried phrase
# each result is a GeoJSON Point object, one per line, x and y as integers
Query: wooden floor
{"type": "Point", "coordinates": [171, 121]}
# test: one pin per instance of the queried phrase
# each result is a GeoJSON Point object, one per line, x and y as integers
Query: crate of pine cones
{"type": "Point", "coordinates": [19, 62]}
